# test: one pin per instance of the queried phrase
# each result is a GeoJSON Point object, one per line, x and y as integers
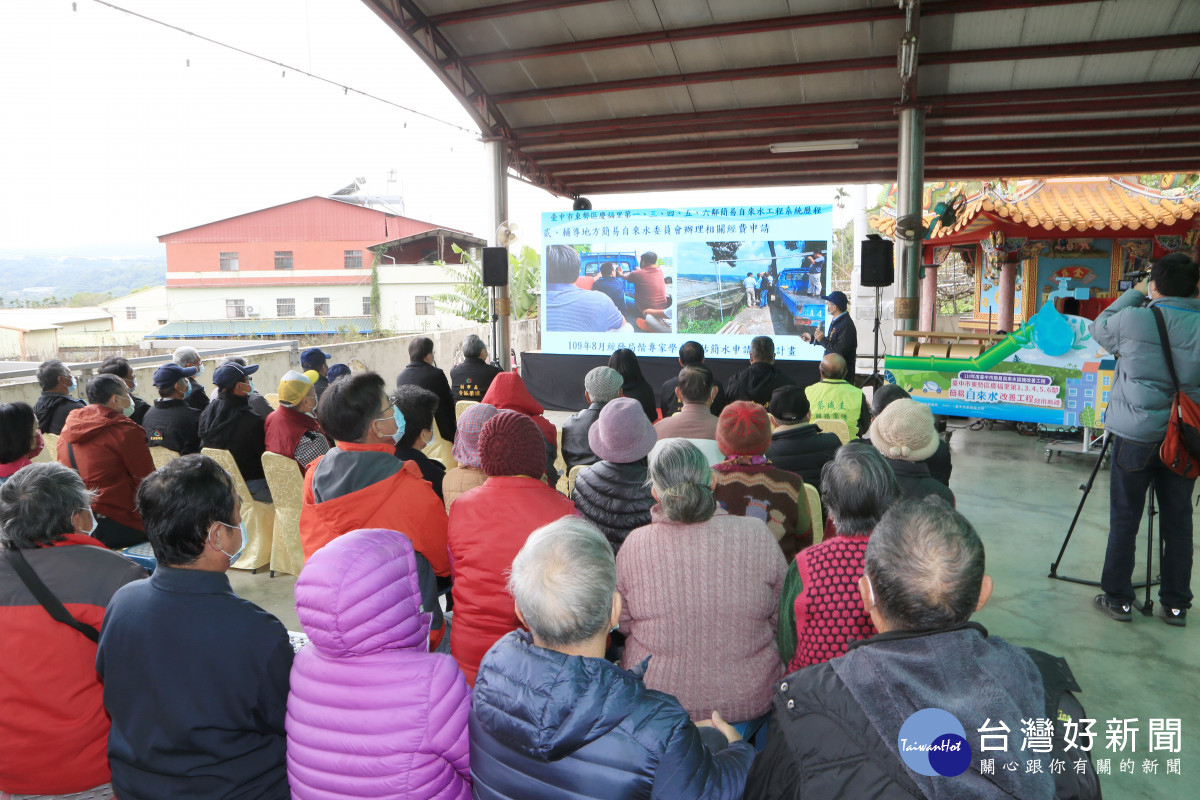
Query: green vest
{"type": "Point", "coordinates": [832, 399]}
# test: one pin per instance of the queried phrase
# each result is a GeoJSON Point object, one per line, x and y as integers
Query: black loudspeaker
{"type": "Point", "coordinates": [878, 265]}
{"type": "Point", "coordinates": [495, 266]}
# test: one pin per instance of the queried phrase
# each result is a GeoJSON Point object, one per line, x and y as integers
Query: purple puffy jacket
{"type": "Point", "coordinates": [371, 713]}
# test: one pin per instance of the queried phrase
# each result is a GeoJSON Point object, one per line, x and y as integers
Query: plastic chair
{"type": "Point", "coordinates": [287, 489]}
{"type": "Point", "coordinates": [815, 512]}
{"type": "Point", "coordinates": [571, 476]}
{"type": "Point", "coordinates": [162, 456]}
{"type": "Point", "coordinates": [273, 399]}
{"type": "Point", "coordinates": [50, 445]}
{"type": "Point", "coordinates": [559, 463]}
{"type": "Point", "coordinates": [837, 426]}
{"type": "Point", "coordinates": [463, 405]}
{"type": "Point", "coordinates": [441, 450]}
{"type": "Point", "coordinates": [259, 517]}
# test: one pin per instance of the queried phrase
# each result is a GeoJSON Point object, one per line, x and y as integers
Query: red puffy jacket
{"type": "Point", "coordinates": [508, 392]}
{"type": "Point", "coordinates": [488, 526]}
{"type": "Point", "coordinates": [112, 457]}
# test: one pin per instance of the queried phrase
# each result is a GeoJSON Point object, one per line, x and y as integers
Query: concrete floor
{"type": "Point", "coordinates": [1022, 507]}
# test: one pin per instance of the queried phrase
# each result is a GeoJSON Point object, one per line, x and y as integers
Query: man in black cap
{"type": "Point", "coordinates": [315, 359]}
{"type": "Point", "coordinates": [840, 335]}
{"type": "Point", "coordinates": [172, 423]}
{"type": "Point", "coordinates": [797, 445]}
{"type": "Point", "coordinates": [228, 423]}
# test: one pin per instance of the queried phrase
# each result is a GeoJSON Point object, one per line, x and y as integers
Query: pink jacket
{"type": "Point", "coordinates": [371, 713]}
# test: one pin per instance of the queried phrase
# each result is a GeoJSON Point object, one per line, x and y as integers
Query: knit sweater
{"type": "Point", "coordinates": [829, 611]}
{"type": "Point", "coordinates": [750, 486]}
{"type": "Point", "coordinates": [702, 600]}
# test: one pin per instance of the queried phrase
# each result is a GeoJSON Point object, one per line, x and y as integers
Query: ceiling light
{"type": "Point", "coordinates": [808, 147]}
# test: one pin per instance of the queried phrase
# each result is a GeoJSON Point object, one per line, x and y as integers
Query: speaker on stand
{"type": "Point", "coordinates": [495, 278]}
{"type": "Point", "coordinates": [878, 270]}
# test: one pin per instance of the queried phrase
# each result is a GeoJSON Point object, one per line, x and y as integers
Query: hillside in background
{"type": "Point", "coordinates": [41, 277]}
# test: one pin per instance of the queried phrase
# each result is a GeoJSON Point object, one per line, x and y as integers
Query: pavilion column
{"type": "Point", "coordinates": [929, 299]}
{"type": "Point", "coordinates": [498, 302]}
{"type": "Point", "coordinates": [910, 180]}
{"type": "Point", "coordinates": [1006, 294]}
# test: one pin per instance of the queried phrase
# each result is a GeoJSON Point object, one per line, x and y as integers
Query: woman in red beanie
{"type": "Point", "coordinates": [489, 525]}
{"type": "Point", "coordinates": [748, 485]}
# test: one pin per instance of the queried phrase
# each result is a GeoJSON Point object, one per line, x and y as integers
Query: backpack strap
{"type": "Point", "coordinates": [41, 592]}
{"type": "Point", "coordinates": [1165, 341]}
{"type": "Point", "coordinates": [71, 456]}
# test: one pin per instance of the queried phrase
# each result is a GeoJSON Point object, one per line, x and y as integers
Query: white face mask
{"type": "Point", "coordinates": [870, 589]}
{"type": "Point", "coordinates": [95, 522]}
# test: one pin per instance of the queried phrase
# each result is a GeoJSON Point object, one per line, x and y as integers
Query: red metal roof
{"type": "Point", "coordinates": [599, 96]}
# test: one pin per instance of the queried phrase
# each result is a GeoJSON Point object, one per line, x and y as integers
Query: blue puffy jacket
{"type": "Point", "coordinates": [548, 725]}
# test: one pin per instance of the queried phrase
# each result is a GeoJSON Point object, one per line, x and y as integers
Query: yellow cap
{"type": "Point", "coordinates": [293, 387]}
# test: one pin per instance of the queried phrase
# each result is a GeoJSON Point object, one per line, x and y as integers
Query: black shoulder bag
{"type": "Point", "coordinates": [41, 592]}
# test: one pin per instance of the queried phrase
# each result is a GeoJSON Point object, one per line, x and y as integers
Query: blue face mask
{"type": "Point", "coordinates": [399, 420]}
{"type": "Point", "coordinates": [233, 557]}
{"type": "Point", "coordinates": [188, 390]}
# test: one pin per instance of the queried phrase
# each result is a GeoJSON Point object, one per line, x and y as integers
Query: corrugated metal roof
{"type": "Point", "coordinates": [247, 328]}
{"type": "Point", "coordinates": [688, 94]}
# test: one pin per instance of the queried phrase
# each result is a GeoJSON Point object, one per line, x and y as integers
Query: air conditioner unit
{"type": "Point", "coordinates": [252, 311]}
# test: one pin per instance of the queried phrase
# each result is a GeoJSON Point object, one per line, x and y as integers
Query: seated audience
{"type": "Point", "coordinates": [834, 398]}
{"type": "Point", "coordinates": [188, 357]}
{"type": "Point", "coordinates": [488, 526]}
{"type": "Point", "coordinates": [20, 439]}
{"type": "Point", "coordinates": [797, 445]}
{"type": "Point", "coordinates": [401, 724]}
{"type": "Point", "coordinates": [836, 725]}
{"type": "Point", "coordinates": [259, 404]}
{"type": "Point", "coordinates": [904, 434]}
{"type": "Point", "coordinates": [570, 308]}
{"type": "Point", "coordinates": [419, 406]}
{"type": "Point", "coordinates": [696, 391]}
{"type": "Point", "coordinates": [699, 594]}
{"type": "Point", "coordinates": [758, 382]}
{"type": "Point", "coordinates": [228, 423]}
{"type": "Point", "coordinates": [195, 678]}
{"type": "Point", "coordinates": [292, 429]}
{"type": "Point", "coordinates": [55, 728]}
{"type": "Point", "coordinates": [116, 365]}
{"type": "Point", "coordinates": [470, 379]}
{"type": "Point", "coordinates": [423, 371]}
{"type": "Point", "coordinates": [940, 466]}
{"type": "Point", "coordinates": [550, 717]}
{"type": "Point", "coordinates": [748, 485]}
{"type": "Point", "coordinates": [612, 494]}
{"type": "Point", "coordinates": [600, 386]}
{"type": "Point", "coordinates": [337, 371]}
{"type": "Point", "coordinates": [691, 354]}
{"type": "Point", "coordinates": [625, 362]}
{"type": "Point", "coordinates": [172, 423]}
{"type": "Point", "coordinates": [55, 401]}
{"type": "Point", "coordinates": [468, 474]}
{"type": "Point", "coordinates": [360, 483]}
{"type": "Point", "coordinates": [819, 612]}
{"type": "Point", "coordinates": [508, 393]}
{"type": "Point", "coordinates": [109, 452]}
{"type": "Point", "coordinates": [316, 359]}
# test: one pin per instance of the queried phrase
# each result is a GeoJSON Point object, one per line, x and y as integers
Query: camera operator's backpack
{"type": "Point", "coordinates": [1180, 451]}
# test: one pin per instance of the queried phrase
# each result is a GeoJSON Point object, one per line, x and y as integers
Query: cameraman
{"type": "Point", "coordinates": [1138, 410]}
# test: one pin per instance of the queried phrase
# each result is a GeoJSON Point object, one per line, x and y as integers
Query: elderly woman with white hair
{"type": "Point", "coordinates": [551, 717]}
{"type": "Point", "coordinates": [701, 592]}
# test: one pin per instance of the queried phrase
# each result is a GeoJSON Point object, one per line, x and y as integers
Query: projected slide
{"type": "Point", "coordinates": [651, 279]}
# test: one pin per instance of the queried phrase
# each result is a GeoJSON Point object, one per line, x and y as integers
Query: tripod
{"type": "Point", "coordinates": [1147, 605]}
{"type": "Point", "coordinates": [875, 378]}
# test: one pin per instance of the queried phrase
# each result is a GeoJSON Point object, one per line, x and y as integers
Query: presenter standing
{"type": "Point", "coordinates": [840, 335]}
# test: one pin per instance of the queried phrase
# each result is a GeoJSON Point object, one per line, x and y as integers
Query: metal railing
{"type": "Point", "coordinates": [87, 367]}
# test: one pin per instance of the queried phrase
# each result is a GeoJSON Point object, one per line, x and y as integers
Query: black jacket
{"type": "Point", "coordinates": [939, 463]}
{"type": "Point", "coordinates": [259, 405]}
{"type": "Point", "coordinates": [669, 403]}
{"type": "Point", "coordinates": [321, 385]}
{"type": "Point", "coordinates": [228, 423]}
{"type": "Point", "coordinates": [803, 450]}
{"type": "Point", "coordinates": [614, 498]}
{"type": "Point", "coordinates": [52, 409]}
{"type": "Point", "coordinates": [173, 424]}
{"type": "Point", "coordinates": [644, 394]}
{"type": "Point", "coordinates": [427, 376]}
{"type": "Point", "coordinates": [470, 379]}
{"type": "Point", "coordinates": [915, 481]}
{"type": "Point", "coordinates": [575, 447]}
{"type": "Point", "coordinates": [756, 383]}
{"type": "Point", "coordinates": [140, 407]}
{"type": "Point", "coordinates": [197, 399]}
{"type": "Point", "coordinates": [843, 340]}
{"type": "Point", "coordinates": [431, 470]}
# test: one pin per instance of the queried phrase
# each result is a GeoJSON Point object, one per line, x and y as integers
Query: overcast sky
{"type": "Point", "coordinates": [111, 138]}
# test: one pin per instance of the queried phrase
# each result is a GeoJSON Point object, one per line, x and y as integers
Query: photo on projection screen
{"type": "Point", "coordinates": [651, 279]}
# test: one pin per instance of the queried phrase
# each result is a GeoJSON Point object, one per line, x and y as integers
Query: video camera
{"type": "Point", "coordinates": [1132, 279]}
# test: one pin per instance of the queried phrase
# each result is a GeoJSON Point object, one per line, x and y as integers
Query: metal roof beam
{"type": "Point", "coordinates": [1023, 53]}
{"type": "Point", "coordinates": [505, 10]}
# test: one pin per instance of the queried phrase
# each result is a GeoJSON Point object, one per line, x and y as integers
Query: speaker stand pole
{"type": "Point", "coordinates": [875, 380]}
